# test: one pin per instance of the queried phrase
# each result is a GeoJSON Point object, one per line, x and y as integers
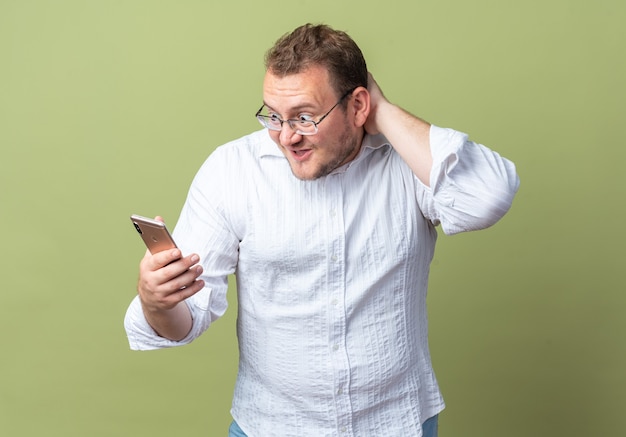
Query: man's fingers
{"type": "Point", "coordinates": [166, 257]}
{"type": "Point", "coordinates": [186, 279]}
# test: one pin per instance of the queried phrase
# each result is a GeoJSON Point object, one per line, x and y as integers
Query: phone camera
{"type": "Point", "coordinates": [137, 227]}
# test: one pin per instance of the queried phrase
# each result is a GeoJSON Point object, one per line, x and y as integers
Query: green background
{"type": "Point", "coordinates": [108, 108]}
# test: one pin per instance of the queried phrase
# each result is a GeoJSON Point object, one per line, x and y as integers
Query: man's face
{"type": "Point", "coordinates": [309, 93]}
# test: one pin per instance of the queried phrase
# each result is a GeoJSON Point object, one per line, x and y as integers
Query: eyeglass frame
{"type": "Point", "coordinates": [291, 121]}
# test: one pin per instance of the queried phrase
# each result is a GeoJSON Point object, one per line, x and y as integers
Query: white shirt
{"type": "Point", "coordinates": [331, 277]}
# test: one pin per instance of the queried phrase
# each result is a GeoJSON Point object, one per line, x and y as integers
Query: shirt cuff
{"type": "Point", "coordinates": [444, 146]}
{"type": "Point", "coordinates": [140, 334]}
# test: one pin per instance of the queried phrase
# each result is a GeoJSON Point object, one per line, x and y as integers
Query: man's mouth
{"type": "Point", "coordinates": [301, 154]}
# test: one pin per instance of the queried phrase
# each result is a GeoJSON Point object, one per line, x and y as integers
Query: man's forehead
{"type": "Point", "coordinates": [308, 88]}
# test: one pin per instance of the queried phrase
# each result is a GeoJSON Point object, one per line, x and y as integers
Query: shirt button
{"type": "Point", "coordinates": [340, 391]}
{"type": "Point", "coordinates": [333, 258]}
{"type": "Point", "coordinates": [343, 429]}
{"type": "Point", "coordinates": [332, 213]}
{"type": "Point", "coordinates": [335, 348]}
{"type": "Point", "coordinates": [334, 302]}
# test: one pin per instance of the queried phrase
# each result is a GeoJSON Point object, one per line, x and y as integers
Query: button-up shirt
{"type": "Point", "coordinates": [331, 277]}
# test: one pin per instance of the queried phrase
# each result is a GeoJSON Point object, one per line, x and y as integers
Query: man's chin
{"type": "Point", "coordinates": [304, 176]}
{"type": "Point", "coordinates": [304, 173]}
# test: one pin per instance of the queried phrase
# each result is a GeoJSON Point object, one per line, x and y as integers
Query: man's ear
{"type": "Point", "coordinates": [360, 105]}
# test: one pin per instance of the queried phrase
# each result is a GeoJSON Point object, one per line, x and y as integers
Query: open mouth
{"type": "Point", "coordinates": [301, 154]}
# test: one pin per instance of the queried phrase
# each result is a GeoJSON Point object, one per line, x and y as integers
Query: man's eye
{"type": "Point", "coordinates": [305, 118]}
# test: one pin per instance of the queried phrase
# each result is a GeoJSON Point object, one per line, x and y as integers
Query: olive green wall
{"type": "Point", "coordinates": [108, 108]}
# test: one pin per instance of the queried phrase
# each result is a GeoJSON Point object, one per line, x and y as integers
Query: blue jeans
{"type": "Point", "coordinates": [429, 428]}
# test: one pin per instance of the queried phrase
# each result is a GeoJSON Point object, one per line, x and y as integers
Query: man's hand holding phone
{"type": "Point", "coordinates": [166, 279]}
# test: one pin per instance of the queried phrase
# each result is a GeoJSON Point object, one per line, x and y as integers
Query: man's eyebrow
{"type": "Point", "coordinates": [302, 107]}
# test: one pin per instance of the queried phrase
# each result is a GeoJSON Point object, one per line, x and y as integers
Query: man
{"type": "Point", "coordinates": [327, 218]}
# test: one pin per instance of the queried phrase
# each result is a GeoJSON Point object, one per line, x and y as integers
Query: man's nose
{"type": "Point", "coordinates": [288, 135]}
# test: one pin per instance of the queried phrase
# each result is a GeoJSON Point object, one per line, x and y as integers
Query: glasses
{"type": "Point", "coordinates": [301, 126]}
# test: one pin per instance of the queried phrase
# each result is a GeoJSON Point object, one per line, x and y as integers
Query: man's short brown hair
{"type": "Point", "coordinates": [319, 45]}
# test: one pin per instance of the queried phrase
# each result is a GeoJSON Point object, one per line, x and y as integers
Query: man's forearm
{"type": "Point", "coordinates": [173, 324]}
{"type": "Point", "coordinates": [410, 137]}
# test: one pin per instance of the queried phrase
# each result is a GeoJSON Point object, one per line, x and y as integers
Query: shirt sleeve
{"type": "Point", "coordinates": [202, 228]}
{"type": "Point", "coordinates": [471, 186]}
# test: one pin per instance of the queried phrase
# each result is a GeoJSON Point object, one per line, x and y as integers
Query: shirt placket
{"type": "Point", "coordinates": [337, 305]}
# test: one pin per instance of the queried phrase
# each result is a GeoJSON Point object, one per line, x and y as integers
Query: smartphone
{"type": "Point", "coordinates": [153, 233]}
